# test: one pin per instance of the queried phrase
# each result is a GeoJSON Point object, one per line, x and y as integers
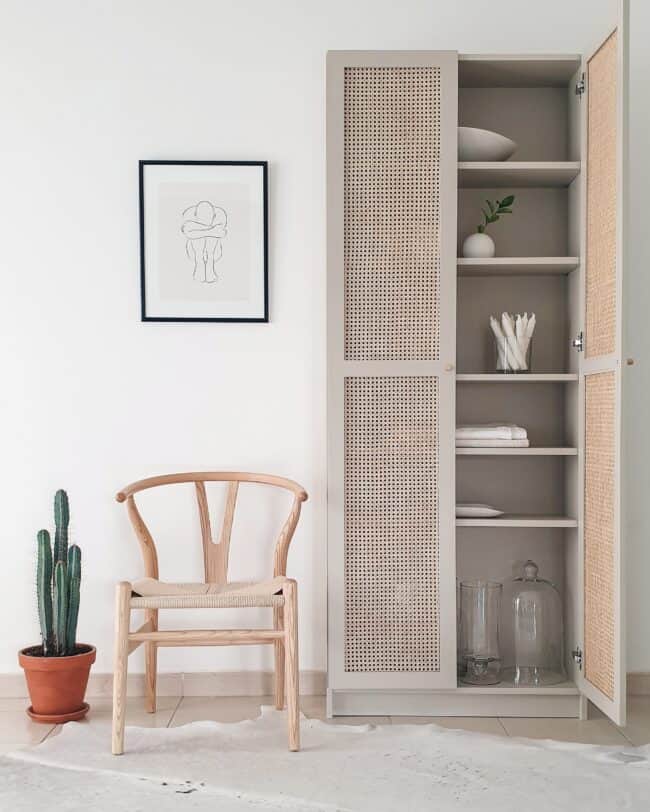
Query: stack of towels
{"type": "Point", "coordinates": [491, 435]}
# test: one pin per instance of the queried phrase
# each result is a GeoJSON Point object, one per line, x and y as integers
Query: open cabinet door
{"type": "Point", "coordinates": [391, 162]}
{"type": "Point", "coordinates": [602, 676]}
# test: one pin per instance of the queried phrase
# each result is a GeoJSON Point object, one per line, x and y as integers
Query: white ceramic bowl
{"type": "Point", "coordinates": [483, 145]}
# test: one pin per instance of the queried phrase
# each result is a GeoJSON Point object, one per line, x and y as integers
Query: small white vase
{"type": "Point", "coordinates": [478, 246]}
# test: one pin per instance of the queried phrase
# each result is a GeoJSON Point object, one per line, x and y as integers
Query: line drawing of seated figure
{"type": "Point", "coordinates": [204, 226]}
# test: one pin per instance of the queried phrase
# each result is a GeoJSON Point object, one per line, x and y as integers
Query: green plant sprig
{"type": "Point", "coordinates": [496, 210]}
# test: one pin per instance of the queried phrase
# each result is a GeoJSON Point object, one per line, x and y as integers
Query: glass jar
{"type": "Point", "coordinates": [480, 609]}
{"type": "Point", "coordinates": [509, 358]}
{"type": "Point", "coordinates": [538, 631]}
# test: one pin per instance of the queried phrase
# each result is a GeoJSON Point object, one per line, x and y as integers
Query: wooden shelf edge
{"type": "Point", "coordinates": [532, 451]}
{"type": "Point", "coordinates": [567, 687]}
{"type": "Point", "coordinates": [516, 266]}
{"type": "Point", "coordinates": [518, 521]}
{"type": "Point", "coordinates": [541, 174]}
{"type": "Point", "coordinates": [496, 377]}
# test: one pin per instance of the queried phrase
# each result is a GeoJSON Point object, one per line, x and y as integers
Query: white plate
{"type": "Point", "coordinates": [472, 510]}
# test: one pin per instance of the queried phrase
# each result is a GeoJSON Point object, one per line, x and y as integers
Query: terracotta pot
{"type": "Point", "coordinates": [57, 685]}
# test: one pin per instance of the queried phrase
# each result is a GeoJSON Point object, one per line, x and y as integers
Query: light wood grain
{"type": "Point", "coordinates": [150, 664]}
{"type": "Point", "coordinates": [121, 656]}
{"type": "Point", "coordinates": [147, 626]}
{"type": "Point", "coordinates": [147, 546]}
{"type": "Point", "coordinates": [284, 539]}
{"type": "Point", "coordinates": [212, 476]}
{"type": "Point", "coordinates": [206, 533]}
{"type": "Point", "coordinates": [290, 591]}
{"type": "Point", "coordinates": [215, 559]}
{"type": "Point", "coordinates": [208, 637]}
{"type": "Point", "coordinates": [278, 653]}
{"type": "Point", "coordinates": [223, 550]}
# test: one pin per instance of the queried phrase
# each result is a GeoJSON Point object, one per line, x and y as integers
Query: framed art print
{"type": "Point", "coordinates": [204, 240]}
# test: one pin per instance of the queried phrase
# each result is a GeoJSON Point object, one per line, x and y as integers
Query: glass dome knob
{"type": "Point", "coordinates": [530, 570]}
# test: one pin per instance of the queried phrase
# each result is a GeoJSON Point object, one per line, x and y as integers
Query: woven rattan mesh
{"type": "Point", "coordinates": [600, 489]}
{"type": "Point", "coordinates": [392, 213]}
{"type": "Point", "coordinates": [391, 524]}
{"type": "Point", "coordinates": [601, 201]}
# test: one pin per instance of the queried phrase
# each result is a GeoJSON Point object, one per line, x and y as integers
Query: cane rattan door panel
{"type": "Point", "coordinates": [392, 160]}
{"type": "Point", "coordinates": [391, 524]}
{"type": "Point", "coordinates": [602, 201]}
{"type": "Point", "coordinates": [392, 213]}
{"type": "Point", "coordinates": [603, 676]}
{"type": "Point", "coordinates": [600, 530]}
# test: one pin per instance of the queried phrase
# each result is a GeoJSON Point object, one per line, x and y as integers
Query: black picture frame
{"type": "Point", "coordinates": [144, 316]}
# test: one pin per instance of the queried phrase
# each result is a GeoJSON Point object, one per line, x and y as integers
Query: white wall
{"type": "Point", "coordinates": [91, 398]}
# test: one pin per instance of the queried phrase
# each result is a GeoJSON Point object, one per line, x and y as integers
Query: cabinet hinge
{"type": "Point", "coordinates": [577, 656]}
{"type": "Point", "coordinates": [578, 342]}
{"type": "Point", "coordinates": [581, 85]}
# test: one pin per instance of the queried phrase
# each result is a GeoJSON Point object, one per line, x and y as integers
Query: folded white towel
{"type": "Point", "coordinates": [492, 443]}
{"type": "Point", "coordinates": [491, 431]}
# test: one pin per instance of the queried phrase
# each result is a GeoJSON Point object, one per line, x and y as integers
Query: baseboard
{"type": "Point", "coordinates": [638, 684]}
{"type": "Point", "coordinates": [221, 683]}
{"type": "Point", "coordinates": [229, 683]}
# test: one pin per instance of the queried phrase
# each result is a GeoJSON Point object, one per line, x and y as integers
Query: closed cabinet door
{"type": "Point", "coordinates": [602, 674]}
{"type": "Point", "coordinates": [392, 153]}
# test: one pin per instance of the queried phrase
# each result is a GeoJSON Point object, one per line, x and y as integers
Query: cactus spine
{"type": "Point", "coordinates": [58, 582]}
{"type": "Point", "coordinates": [44, 590]}
{"type": "Point", "coordinates": [74, 584]}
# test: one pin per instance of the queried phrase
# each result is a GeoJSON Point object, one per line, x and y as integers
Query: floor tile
{"type": "Point", "coordinates": [637, 729]}
{"type": "Point", "coordinates": [476, 724]}
{"type": "Point", "coordinates": [9, 703]}
{"type": "Point", "coordinates": [219, 708]}
{"type": "Point", "coordinates": [18, 730]}
{"type": "Point", "coordinates": [596, 731]}
{"type": "Point", "coordinates": [101, 709]}
{"type": "Point", "coordinates": [358, 720]}
{"type": "Point", "coordinates": [314, 707]}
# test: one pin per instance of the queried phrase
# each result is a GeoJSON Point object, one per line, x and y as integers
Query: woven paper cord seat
{"type": "Point", "coordinates": [149, 593]}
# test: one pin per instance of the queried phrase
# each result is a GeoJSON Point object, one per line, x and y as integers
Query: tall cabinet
{"type": "Point", "coordinates": [410, 357]}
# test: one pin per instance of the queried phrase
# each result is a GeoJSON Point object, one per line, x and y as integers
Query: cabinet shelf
{"type": "Point", "coordinates": [516, 452]}
{"type": "Point", "coordinates": [519, 521]}
{"type": "Point", "coordinates": [566, 687]}
{"type": "Point", "coordinates": [517, 266]}
{"type": "Point", "coordinates": [516, 174]}
{"type": "Point", "coordinates": [496, 377]}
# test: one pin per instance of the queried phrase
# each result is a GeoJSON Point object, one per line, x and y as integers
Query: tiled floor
{"type": "Point", "coordinates": [17, 730]}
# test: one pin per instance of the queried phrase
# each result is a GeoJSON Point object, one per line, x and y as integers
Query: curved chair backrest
{"type": "Point", "coordinates": [215, 554]}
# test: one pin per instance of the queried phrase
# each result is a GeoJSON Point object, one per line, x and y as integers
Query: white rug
{"type": "Point", "coordinates": [224, 767]}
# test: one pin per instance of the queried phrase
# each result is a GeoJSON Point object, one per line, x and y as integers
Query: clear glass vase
{"type": "Point", "coordinates": [538, 631]}
{"type": "Point", "coordinates": [509, 358]}
{"type": "Point", "coordinates": [480, 609]}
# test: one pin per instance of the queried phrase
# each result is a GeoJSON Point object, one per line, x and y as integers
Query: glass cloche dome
{"type": "Point", "coordinates": [537, 645]}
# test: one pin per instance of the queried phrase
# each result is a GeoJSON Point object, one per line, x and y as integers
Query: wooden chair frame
{"type": "Point", "coordinates": [283, 636]}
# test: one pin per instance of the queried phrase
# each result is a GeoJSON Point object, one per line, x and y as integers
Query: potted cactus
{"type": "Point", "coordinates": [57, 670]}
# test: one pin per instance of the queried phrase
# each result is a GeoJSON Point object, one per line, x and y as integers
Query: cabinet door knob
{"type": "Point", "coordinates": [630, 362]}
{"type": "Point", "coordinates": [449, 367]}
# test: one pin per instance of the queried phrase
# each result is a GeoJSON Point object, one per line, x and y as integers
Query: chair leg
{"type": "Point", "coordinates": [279, 661]}
{"type": "Point", "coordinates": [150, 664]}
{"type": "Point", "coordinates": [290, 591]}
{"type": "Point", "coordinates": [122, 618]}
